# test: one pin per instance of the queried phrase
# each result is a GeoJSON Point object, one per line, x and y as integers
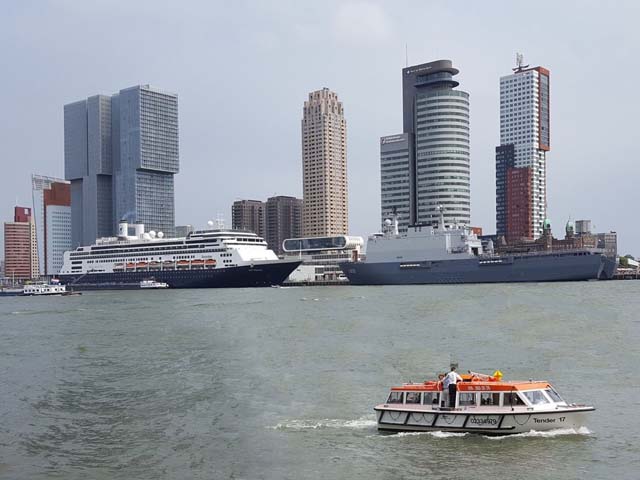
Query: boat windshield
{"type": "Point", "coordinates": [536, 397]}
{"type": "Point", "coordinates": [553, 395]}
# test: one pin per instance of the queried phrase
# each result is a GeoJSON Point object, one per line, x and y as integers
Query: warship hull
{"type": "Point", "coordinates": [551, 267]}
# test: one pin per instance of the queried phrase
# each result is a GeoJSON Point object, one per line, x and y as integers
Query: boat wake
{"type": "Point", "coordinates": [559, 432]}
{"type": "Point", "coordinates": [42, 312]}
{"type": "Point", "coordinates": [532, 434]}
{"type": "Point", "coordinates": [434, 434]}
{"type": "Point", "coordinates": [299, 425]}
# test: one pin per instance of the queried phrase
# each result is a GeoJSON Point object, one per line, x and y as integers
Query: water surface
{"type": "Point", "coordinates": [280, 383]}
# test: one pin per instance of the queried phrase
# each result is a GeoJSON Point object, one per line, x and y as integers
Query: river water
{"type": "Point", "coordinates": [280, 383]}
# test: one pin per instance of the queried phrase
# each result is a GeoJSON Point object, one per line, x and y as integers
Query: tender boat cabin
{"type": "Point", "coordinates": [473, 393]}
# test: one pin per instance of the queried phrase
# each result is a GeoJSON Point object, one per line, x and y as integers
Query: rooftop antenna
{"type": "Point", "coordinates": [520, 63]}
{"type": "Point", "coordinates": [406, 55]}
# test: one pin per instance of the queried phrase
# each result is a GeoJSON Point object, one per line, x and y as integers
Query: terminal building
{"type": "Point", "coordinates": [321, 257]}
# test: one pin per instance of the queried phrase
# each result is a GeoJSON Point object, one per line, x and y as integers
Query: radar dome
{"type": "Point", "coordinates": [146, 236]}
{"type": "Point", "coordinates": [152, 233]}
{"type": "Point", "coordinates": [210, 223]}
{"type": "Point", "coordinates": [387, 222]}
{"type": "Point", "coordinates": [160, 235]}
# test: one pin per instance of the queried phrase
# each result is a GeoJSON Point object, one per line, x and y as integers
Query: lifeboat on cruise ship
{"type": "Point", "coordinates": [197, 263]}
{"type": "Point", "coordinates": [141, 265]}
{"type": "Point", "coordinates": [182, 263]}
{"type": "Point", "coordinates": [482, 404]}
{"type": "Point", "coordinates": [154, 265]}
{"type": "Point", "coordinates": [168, 264]}
{"type": "Point", "coordinates": [131, 265]}
{"type": "Point", "coordinates": [118, 267]}
{"type": "Point", "coordinates": [210, 263]}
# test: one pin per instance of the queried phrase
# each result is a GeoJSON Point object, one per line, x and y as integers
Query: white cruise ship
{"type": "Point", "coordinates": [202, 259]}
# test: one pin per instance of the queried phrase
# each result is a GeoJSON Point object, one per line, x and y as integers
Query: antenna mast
{"type": "Point", "coordinates": [520, 63]}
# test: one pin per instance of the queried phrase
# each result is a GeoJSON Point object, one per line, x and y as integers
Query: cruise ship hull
{"type": "Point", "coordinates": [553, 267]}
{"type": "Point", "coordinates": [260, 274]}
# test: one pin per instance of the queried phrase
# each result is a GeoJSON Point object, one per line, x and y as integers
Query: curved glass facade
{"type": "Point", "coordinates": [319, 243]}
{"type": "Point", "coordinates": [442, 156]}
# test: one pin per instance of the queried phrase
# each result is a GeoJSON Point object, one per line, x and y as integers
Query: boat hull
{"type": "Point", "coordinates": [525, 268]}
{"type": "Point", "coordinates": [484, 422]}
{"type": "Point", "coordinates": [260, 274]}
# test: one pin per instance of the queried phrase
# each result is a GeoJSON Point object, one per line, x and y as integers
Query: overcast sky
{"type": "Point", "coordinates": [243, 69]}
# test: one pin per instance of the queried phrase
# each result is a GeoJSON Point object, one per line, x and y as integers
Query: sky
{"type": "Point", "coordinates": [243, 69]}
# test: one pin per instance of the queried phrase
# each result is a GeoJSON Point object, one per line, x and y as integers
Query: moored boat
{"type": "Point", "coordinates": [482, 404]}
{"type": "Point", "coordinates": [151, 283]}
{"type": "Point", "coordinates": [203, 259]}
{"type": "Point", "coordinates": [451, 254]}
{"type": "Point", "coordinates": [41, 289]}
{"type": "Point", "coordinates": [10, 291]}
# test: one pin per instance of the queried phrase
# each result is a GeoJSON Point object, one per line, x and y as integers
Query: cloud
{"type": "Point", "coordinates": [361, 23]}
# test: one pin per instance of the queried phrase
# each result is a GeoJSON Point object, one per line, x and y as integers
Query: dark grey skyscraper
{"type": "Point", "coordinates": [121, 153]}
{"type": "Point", "coordinates": [436, 120]}
{"type": "Point", "coordinates": [89, 166]}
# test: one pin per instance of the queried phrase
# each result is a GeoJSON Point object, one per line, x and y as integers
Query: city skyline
{"type": "Point", "coordinates": [367, 82]}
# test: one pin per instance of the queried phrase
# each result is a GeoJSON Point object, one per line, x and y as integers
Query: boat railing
{"type": "Point", "coordinates": [490, 256]}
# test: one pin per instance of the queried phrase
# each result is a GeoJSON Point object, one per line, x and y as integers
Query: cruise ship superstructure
{"type": "Point", "coordinates": [454, 254]}
{"type": "Point", "coordinates": [202, 259]}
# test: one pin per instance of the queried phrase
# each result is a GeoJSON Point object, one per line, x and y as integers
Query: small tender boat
{"type": "Point", "coordinates": [151, 283]}
{"type": "Point", "coordinates": [483, 404]}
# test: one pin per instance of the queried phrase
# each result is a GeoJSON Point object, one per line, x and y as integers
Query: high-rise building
{"type": "Point", "coordinates": [436, 134]}
{"type": "Point", "coordinates": [396, 156]}
{"type": "Point", "coordinates": [249, 215]}
{"type": "Point", "coordinates": [52, 216]}
{"type": "Point", "coordinates": [283, 220]}
{"type": "Point", "coordinates": [324, 165]}
{"type": "Point", "coordinates": [88, 165]}
{"type": "Point", "coordinates": [121, 153]}
{"type": "Point", "coordinates": [20, 248]}
{"type": "Point", "coordinates": [147, 157]}
{"type": "Point", "coordinates": [524, 143]}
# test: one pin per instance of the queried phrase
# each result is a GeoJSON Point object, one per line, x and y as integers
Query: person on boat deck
{"type": "Point", "coordinates": [449, 383]}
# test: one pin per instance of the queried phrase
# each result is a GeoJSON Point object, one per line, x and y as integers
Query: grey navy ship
{"type": "Point", "coordinates": [454, 254]}
{"type": "Point", "coordinates": [202, 259]}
